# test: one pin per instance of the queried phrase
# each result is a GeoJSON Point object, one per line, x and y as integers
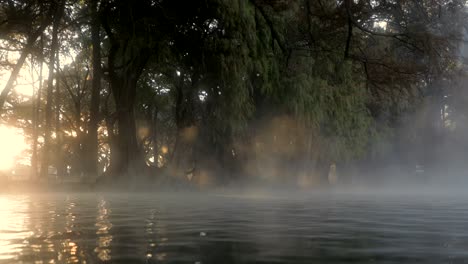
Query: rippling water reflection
{"type": "Point", "coordinates": [180, 228]}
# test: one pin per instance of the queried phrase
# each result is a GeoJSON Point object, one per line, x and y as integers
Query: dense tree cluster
{"type": "Point", "coordinates": [215, 90]}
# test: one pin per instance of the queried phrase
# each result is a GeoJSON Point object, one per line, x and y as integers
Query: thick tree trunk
{"type": "Point", "coordinates": [128, 56]}
{"type": "Point", "coordinates": [92, 141]}
{"type": "Point", "coordinates": [111, 138]}
{"type": "Point", "coordinates": [128, 147]}
{"type": "Point", "coordinates": [129, 160]}
{"type": "Point", "coordinates": [50, 83]}
{"type": "Point", "coordinates": [183, 160]}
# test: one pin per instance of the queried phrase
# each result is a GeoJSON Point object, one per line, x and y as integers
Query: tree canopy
{"type": "Point", "coordinates": [219, 90]}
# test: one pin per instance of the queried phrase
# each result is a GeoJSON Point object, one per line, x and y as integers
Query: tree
{"type": "Point", "coordinates": [30, 20]}
{"type": "Point", "coordinates": [221, 90]}
{"type": "Point", "coordinates": [130, 45]}
{"type": "Point", "coordinates": [92, 144]}
{"type": "Point", "coordinates": [50, 82]}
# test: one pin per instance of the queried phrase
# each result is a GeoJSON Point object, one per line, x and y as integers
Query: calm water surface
{"type": "Point", "coordinates": [210, 228]}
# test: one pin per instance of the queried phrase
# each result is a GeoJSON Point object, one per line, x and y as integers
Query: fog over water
{"type": "Point", "coordinates": [246, 131]}
{"type": "Point", "coordinates": [234, 227]}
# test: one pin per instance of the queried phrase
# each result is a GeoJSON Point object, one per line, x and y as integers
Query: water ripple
{"type": "Point", "coordinates": [131, 228]}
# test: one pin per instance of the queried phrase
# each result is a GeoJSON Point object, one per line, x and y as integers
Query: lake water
{"type": "Point", "coordinates": [214, 228]}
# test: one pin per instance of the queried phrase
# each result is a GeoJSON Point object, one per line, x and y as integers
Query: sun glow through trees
{"type": "Point", "coordinates": [11, 146]}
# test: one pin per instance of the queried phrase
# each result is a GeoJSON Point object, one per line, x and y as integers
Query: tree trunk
{"type": "Point", "coordinates": [153, 116]}
{"type": "Point", "coordinates": [50, 82]}
{"type": "Point", "coordinates": [9, 85]}
{"type": "Point", "coordinates": [19, 64]}
{"type": "Point", "coordinates": [127, 160]}
{"type": "Point", "coordinates": [92, 142]}
{"type": "Point", "coordinates": [59, 160]}
{"type": "Point", "coordinates": [36, 115]}
{"type": "Point", "coordinates": [128, 56]}
{"type": "Point", "coordinates": [79, 141]}
{"type": "Point", "coordinates": [113, 149]}
{"type": "Point", "coordinates": [182, 159]}
{"type": "Point", "coordinates": [130, 159]}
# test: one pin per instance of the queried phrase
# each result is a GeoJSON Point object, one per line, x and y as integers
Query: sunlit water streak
{"type": "Point", "coordinates": [209, 228]}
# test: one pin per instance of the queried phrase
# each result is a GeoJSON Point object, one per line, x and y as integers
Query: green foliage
{"type": "Point", "coordinates": [329, 97]}
{"type": "Point", "coordinates": [348, 73]}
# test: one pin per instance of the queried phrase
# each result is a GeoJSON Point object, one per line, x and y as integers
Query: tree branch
{"type": "Point", "coordinates": [348, 4]}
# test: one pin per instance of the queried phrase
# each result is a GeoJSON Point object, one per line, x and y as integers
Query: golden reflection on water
{"type": "Point", "coordinates": [104, 237]}
{"type": "Point", "coordinates": [13, 225]}
{"type": "Point", "coordinates": [155, 232]}
{"type": "Point", "coordinates": [34, 231]}
{"type": "Point", "coordinates": [51, 229]}
{"type": "Point", "coordinates": [150, 231]}
{"type": "Point", "coordinates": [70, 251]}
